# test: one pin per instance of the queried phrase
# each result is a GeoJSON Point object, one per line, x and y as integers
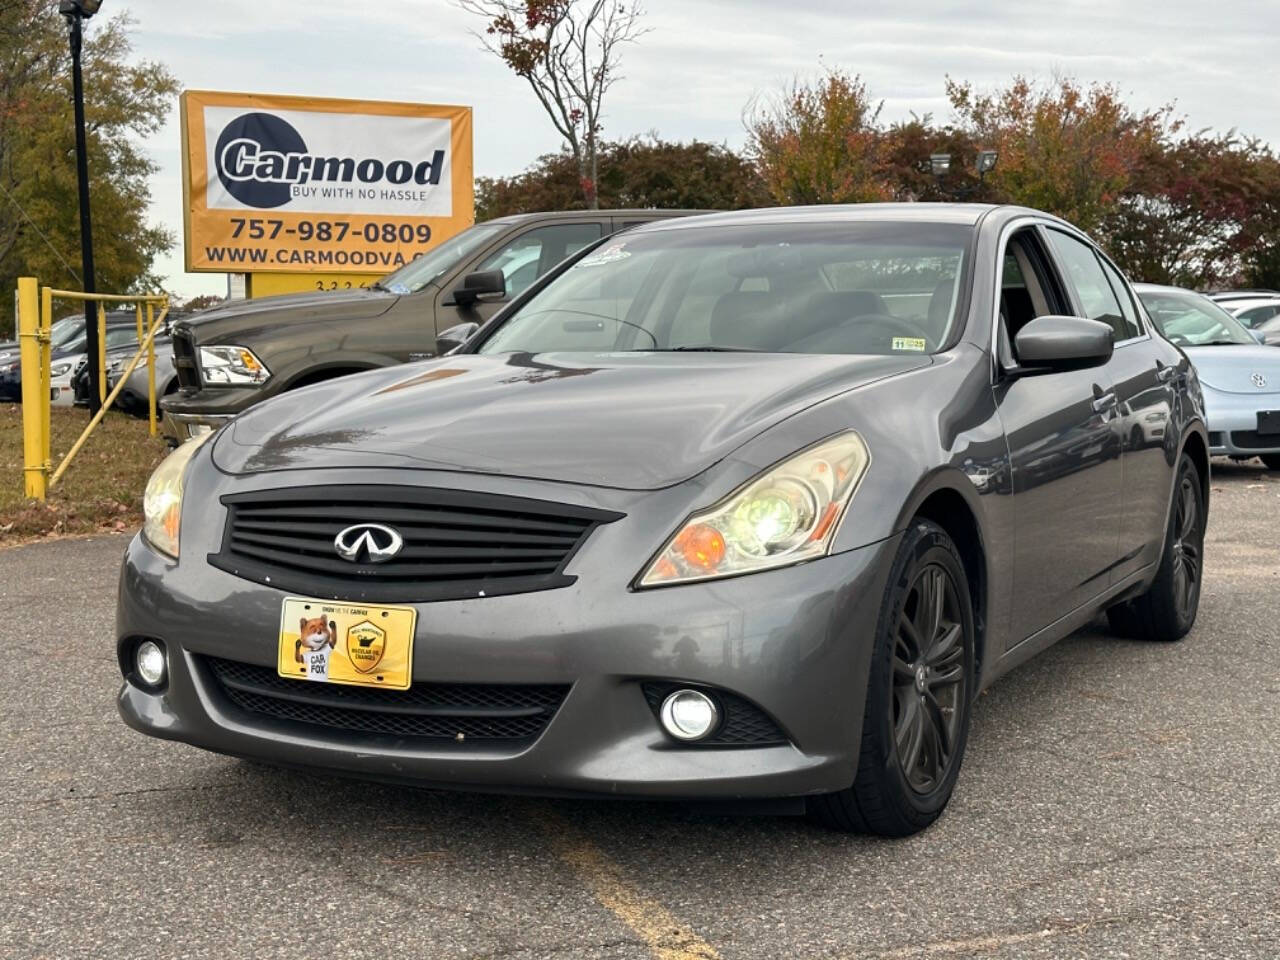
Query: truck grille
{"type": "Point", "coordinates": [457, 544]}
{"type": "Point", "coordinates": [184, 360]}
{"type": "Point", "coordinates": [458, 712]}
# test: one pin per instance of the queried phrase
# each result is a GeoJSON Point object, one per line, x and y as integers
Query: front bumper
{"type": "Point", "coordinates": [187, 414]}
{"type": "Point", "coordinates": [796, 642]}
{"type": "Point", "coordinates": [1233, 423]}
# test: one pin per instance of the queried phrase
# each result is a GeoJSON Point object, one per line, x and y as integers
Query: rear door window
{"type": "Point", "coordinates": [1132, 325]}
{"type": "Point", "coordinates": [1084, 272]}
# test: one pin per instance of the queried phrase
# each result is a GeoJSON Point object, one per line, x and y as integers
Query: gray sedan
{"type": "Point", "coordinates": [751, 505]}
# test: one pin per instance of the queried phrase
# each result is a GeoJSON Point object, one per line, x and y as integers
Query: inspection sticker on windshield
{"type": "Point", "coordinates": [610, 254]}
{"type": "Point", "coordinates": [916, 344]}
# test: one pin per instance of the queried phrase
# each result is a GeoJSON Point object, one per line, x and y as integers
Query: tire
{"type": "Point", "coordinates": [912, 686]}
{"type": "Point", "coordinates": [1167, 611]}
{"type": "Point", "coordinates": [1272, 460]}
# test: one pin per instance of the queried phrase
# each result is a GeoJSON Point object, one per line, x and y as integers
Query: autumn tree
{"type": "Point", "coordinates": [568, 51]}
{"type": "Point", "coordinates": [126, 100]}
{"type": "Point", "coordinates": [1064, 148]}
{"type": "Point", "coordinates": [819, 142]}
{"type": "Point", "coordinates": [640, 172]}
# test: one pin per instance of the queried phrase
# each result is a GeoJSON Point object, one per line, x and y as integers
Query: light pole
{"type": "Point", "coordinates": [76, 12]}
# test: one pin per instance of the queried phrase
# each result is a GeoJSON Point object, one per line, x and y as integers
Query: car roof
{"type": "Point", "coordinates": [652, 214]}
{"type": "Point", "coordinates": [963, 214]}
{"type": "Point", "coordinates": [1245, 294]}
{"type": "Point", "coordinates": [1164, 288]}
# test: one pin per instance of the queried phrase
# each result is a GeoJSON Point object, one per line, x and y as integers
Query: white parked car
{"type": "Point", "coordinates": [1252, 308]}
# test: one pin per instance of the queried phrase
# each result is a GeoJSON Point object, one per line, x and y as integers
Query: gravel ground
{"type": "Point", "coordinates": [1117, 800]}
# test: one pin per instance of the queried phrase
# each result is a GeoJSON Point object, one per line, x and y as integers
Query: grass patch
{"type": "Point", "coordinates": [101, 490]}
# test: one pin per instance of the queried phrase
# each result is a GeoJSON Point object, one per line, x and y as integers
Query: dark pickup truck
{"type": "Point", "coordinates": [233, 356]}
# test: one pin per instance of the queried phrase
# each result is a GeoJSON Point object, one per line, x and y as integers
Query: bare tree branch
{"type": "Point", "coordinates": [568, 52]}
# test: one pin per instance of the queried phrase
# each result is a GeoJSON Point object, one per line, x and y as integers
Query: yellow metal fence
{"type": "Point", "coordinates": [35, 318]}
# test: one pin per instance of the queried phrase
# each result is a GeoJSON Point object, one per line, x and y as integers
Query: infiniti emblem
{"type": "Point", "coordinates": [1259, 380]}
{"type": "Point", "coordinates": [377, 543]}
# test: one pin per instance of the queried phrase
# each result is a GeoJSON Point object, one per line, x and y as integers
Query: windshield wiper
{"type": "Point", "coordinates": [704, 348]}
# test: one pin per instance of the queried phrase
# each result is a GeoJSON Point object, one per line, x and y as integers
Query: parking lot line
{"type": "Point", "coordinates": [666, 937]}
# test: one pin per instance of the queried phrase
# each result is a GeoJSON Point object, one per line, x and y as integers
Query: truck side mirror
{"type": "Point", "coordinates": [482, 285]}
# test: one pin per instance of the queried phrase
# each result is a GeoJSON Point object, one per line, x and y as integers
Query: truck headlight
{"type": "Point", "coordinates": [231, 364]}
{"type": "Point", "coordinates": [788, 514]}
{"type": "Point", "coordinates": [162, 502]}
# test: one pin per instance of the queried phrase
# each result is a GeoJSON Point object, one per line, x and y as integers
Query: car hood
{"type": "Point", "coordinates": [627, 421]}
{"type": "Point", "coordinates": [1232, 369]}
{"type": "Point", "coordinates": [241, 316]}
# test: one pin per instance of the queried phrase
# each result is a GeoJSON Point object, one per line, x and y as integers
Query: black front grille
{"type": "Point", "coordinates": [743, 725]}
{"type": "Point", "coordinates": [1253, 440]}
{"type": "Point", "coordinates": [460, 712]}
{"type": "Point", "coordinates": [184, 360]}
{"type": "Point", "coordinates": [457, 544]}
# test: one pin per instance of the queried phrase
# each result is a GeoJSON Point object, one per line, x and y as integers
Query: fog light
{"type": "Point", "coordinates": [689, 715]}
{"type": "Point", "coordinates": [149, 662]}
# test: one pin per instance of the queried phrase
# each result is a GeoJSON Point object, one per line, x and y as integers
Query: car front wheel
{"type": "Point", "coordinates": [920, 690]}
{"type": "Point", "coordinates": [1272, 460]}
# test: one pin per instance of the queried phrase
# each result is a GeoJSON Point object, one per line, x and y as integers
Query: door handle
{"type": "Point", "coordinates": [1104, 402]}
{"type": "Point", "coordinates": [1165, 373]}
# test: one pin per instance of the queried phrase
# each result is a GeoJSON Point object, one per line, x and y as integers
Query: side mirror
{"type": "Point", "coordinates": [454, 337]}
{"type": "Point", "coordinates": [482, 285]}
{"type": "Point", "coordinates": [1259, 336]}
{"type": "Point", "coordinates": [1053, 344]}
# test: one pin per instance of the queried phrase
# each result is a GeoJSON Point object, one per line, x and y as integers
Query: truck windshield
{"type": "Point", "coordinates": [849, 287]}
{"type": "Point", "coordinates": [416, 274]}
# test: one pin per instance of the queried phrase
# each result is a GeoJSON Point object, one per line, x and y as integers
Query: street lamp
{"type": "Point", "coordinates": [76, 12]}
{"type": "Point", "coordinates": [985, 163]}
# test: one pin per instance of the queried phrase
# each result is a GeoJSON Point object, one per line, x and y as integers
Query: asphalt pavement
{"type": "Point", "coordinates": [1118, 799]}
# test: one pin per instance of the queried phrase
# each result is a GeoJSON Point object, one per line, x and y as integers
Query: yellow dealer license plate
{"type": "Point", "coordinates": [350, 643]}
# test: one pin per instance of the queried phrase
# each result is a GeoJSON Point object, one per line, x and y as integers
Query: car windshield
{"type": "Point", "coordinates": [1191, 320]}
{"type": "Point", "coordinates": [116, 337]}
{"type": "Point", "coordinates": [64, 330]}
{"type": "Point", "coordinates": [416, 274]}
{"type": "Point", "coordinates": [850, 287]}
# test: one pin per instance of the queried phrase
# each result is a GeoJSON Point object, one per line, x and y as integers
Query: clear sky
{"type": "Point", "coordinates": [703, 60]}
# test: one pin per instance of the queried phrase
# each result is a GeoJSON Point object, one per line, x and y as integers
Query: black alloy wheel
{"type": "Point", "coordinates": [929, 682]}
{"type": "Point", "coordinates": [1167, 611]}
{"type": "Point", "coordinates": [1188, 539]}
{"type": "Point", "coordinates": [920, 687]}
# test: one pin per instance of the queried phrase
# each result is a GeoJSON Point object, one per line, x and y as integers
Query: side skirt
{"type": "Point", "coordinates": [1046, 637]}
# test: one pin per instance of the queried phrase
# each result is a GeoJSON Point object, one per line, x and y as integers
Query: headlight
{"type": "Point", "coordinates": [162, 502]}
{"type": "Point", "coordinates": [231, 365]}
{"type": "Point", "coordinates": [60, 369]}
{"type": "Point", "coordinates": [788, 514]}
{"type": "Point", "coordinates": [115, 366]}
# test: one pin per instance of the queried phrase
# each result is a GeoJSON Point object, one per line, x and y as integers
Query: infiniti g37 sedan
{"type": "Point", "coordinates": [750, 505]}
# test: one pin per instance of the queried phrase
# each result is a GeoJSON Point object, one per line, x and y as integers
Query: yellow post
{"type": "Point", "coordinates": [102, 353]}
{"type": "Point", "coordinates": [46, 395]}
{"type": "Point", "coordinates": [35, 427]}
{"type": "Point", "coordinates": [151, 367]}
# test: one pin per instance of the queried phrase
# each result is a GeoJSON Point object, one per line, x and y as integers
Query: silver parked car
{"type": "Point", "coordinates": [1240, 377]}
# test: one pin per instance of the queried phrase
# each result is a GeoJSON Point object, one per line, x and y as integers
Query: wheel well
{"type": "Point", "coordinates": [1199, 454]}
{"type": "Point", "coordinates": [948, 509]}
{"type": "Point", "coordinates": [319, 376]}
